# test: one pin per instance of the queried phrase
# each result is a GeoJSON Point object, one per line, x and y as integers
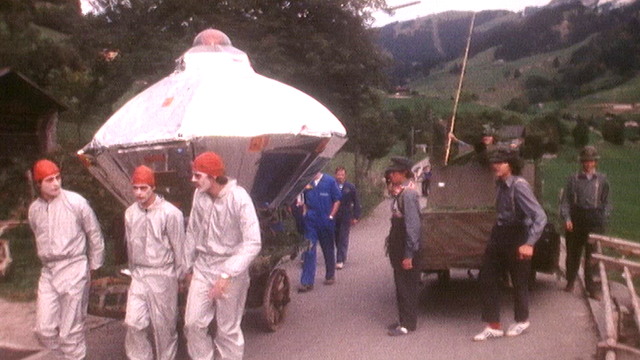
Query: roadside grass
{"type": "Point", "coordinates": [621, 164]}
{"type": "Point", "coordinates": [371, 190]}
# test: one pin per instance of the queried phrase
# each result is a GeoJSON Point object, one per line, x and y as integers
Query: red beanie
{"type": "Point", "coordinates": [143, 175]}
{"type": "Point", "coordinates": [209, 163]}
{"type": "Point", "coordinates": [43, 169]}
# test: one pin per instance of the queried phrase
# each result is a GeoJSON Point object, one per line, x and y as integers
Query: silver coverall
{"type": "Point", "coordinates": [223, 236]}
{"type": "Point", "coordinates": [69, 244]}
{"type": "Point", "coordinates": [155, 243]}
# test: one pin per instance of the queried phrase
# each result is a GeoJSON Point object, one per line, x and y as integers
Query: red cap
{"type": "Point", "coordinates": [44, 168]}
{"type": "Point", "coordinates": [209, 163]}
{"type": "Point", "coordinates": [143, 175]}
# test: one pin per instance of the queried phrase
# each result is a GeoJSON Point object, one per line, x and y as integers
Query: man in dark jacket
{"type": "Point", "coordinates": [348, 214]}
{"type": "Point", "coordinates": [403, 243]}
{"type": "Point", "coordinates": [585, 208]}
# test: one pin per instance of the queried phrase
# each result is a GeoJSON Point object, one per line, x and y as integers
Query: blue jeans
{"type": "Point", "coordinates": [317, 230]}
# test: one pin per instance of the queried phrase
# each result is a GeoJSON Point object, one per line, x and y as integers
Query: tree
{"type": "Point", "coordinates": [580, 133]}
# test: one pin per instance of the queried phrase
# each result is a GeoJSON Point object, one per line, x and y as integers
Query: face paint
{"type": "Point", "coordinates": [50, 187]}
{"type": "Point", "coordinates": [144, 194]}
{"type": "Point", "coordinates": [202, 181]}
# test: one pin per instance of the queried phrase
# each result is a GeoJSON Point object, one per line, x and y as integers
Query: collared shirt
{"type": "Point", "coordinates": [155, 238]}
{"type": "Point", "coordinates": [516, 205]}
{"type": "Point", "coordinates": [66, 228]}
{"type": "Point", "coordinates": [586, 192]}
{"type": "Point", "coordinates": [406, 205]}
{"type": "Point", "coordinates": [223, 235]}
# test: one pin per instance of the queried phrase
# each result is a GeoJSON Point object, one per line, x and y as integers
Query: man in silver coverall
{"type": "Point", "coordinates": [155, 236]}
{"type": "Point", "coordinates": [70, 245]}
{"type": "Point", "coordinates": [223, 238]}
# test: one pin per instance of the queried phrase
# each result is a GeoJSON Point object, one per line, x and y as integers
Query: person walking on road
{"type": "Point", "coordinates": [223, 238]}
{"type": "Point", "coordinates": [403, 244]}
{"type": "Point", "coordinates": [585, 208]}
{"type": "Point", "coordinates": [321, 202]}
{"type": "Point", "coordinates": [520, 222]}
{"type": "Point", "coordinates": [70, 246]}
{"type": "Point", "coordinates": [154, 230]}
{"type": "Point", "coordinates": [348, 215]}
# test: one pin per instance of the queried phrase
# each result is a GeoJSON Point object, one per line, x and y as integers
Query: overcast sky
{"type": "Point", "coordinates": [427, 7]}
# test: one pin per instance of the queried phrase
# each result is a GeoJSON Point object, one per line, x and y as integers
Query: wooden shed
{"type": "Point", "coordinates": [28, 116]}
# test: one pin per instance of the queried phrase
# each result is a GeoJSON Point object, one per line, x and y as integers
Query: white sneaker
{"type": "Point", "coordinates": [488, 333]}
{"type": "Point", "coordinates": [339, 265]}
{"type": "Point", "coordinates": [517, 328]}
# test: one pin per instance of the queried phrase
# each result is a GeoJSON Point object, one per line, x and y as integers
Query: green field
{"type": "Point", "coordinates": [622, 166]}
{"type": "Point", "coordinates": [493, 81]}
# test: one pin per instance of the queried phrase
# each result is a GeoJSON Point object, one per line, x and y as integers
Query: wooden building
{"type": "Point", "coordinates": [28, 117]}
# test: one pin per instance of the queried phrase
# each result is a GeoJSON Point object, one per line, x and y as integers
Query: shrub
{"type": "Point", "coordinates": [580, 134]}
{"type": "Point", "coordinates": [613, 131]}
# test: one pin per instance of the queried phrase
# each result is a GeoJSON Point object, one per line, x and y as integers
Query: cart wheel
{"type": "Point", "coordinates": [276, 298]}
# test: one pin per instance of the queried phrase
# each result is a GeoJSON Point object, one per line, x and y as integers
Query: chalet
{"type": "Point", "coordinates": [28, 116]}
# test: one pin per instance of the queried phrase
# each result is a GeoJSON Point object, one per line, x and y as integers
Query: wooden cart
{"type": "Point", "coordinates": [457, 223]}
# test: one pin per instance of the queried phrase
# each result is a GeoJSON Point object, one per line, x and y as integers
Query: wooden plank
{"type": "Point", "coordinates": [634, 295]}
{"type": "Point", "coordinates": [616, 243]}
{"type": "Point", "coordinates": [619, 264]}
{"type": "Point", "coordinates": [608, 306]}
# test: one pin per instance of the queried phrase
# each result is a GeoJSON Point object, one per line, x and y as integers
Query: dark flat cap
{"type": "Point", "coordinates": [503, 155]}
{"type": "Point", "coordinates": [399, 163]}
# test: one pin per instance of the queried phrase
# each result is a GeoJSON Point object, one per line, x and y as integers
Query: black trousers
{"type": "Point", "coordinates": [576, 241]}
{"type": "Point", "coordinates": [406, 280]}
{"type": "Point", "coordinates": [502, 255]}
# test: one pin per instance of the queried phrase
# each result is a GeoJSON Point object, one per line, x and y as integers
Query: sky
{"type": "Point", "coordinates": [427, 7]}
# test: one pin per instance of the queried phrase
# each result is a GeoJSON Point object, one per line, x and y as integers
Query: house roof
{"type": "Point", "coordinates": [17, 87]}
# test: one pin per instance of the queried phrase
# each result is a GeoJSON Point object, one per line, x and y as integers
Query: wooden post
{"type": "Point", "coordinates": [455, 103]}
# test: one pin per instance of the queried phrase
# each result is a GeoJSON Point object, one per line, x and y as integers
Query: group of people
{"type": "Point", "coordinates": [520, 222]}
{"type": "Point", "coordinates": [222, 238]}
{"type": "Point", "coordinates": [330, 207]}
{"type": "Point", "coordinates": [212, 254]}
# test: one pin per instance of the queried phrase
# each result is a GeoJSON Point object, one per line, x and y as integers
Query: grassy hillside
{"type": "Point", "coordinates": [493, 81]}
{"type": "Point", "coordinates": [622, 166]}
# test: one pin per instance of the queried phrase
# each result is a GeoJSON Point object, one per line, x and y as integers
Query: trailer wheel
{"type": "Point", "coordinates": [276, 298]}
{"type": "Point", "coordinates": [443, 277]}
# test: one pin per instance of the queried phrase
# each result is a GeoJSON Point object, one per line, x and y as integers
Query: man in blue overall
{"type": "Point", "coordinates": [348, 215]}
{"type": "Point", "coordinates": [321, 203]}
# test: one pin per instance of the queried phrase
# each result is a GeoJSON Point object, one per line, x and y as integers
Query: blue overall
{"type": "Point", "coordinates": [319, 200]}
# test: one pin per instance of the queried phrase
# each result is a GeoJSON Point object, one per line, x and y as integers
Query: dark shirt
{"type": "Point", "coordinates": [516, 205]}
{"type": "Point", "coordinates": [349, 203]}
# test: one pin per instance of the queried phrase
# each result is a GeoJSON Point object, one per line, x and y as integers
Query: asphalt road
{"type": "Point", "coordinates": [348, 320]}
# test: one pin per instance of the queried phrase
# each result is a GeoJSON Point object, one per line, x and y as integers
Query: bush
{"type": "Point", "coordinates": [613, 131]}
{"type": "Point", "coordinates": [580, 134]}
{"type": "Point", "coordinates": [518, 104]}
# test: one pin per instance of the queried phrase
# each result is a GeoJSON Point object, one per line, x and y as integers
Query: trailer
{"type": "Point", "coordinates": [460, 213]}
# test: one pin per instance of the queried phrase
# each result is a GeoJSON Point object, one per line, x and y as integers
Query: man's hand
{"type": "Point", "coordinates": [525, 252]}
{"type": "Point", "coordinates": [407, 264]}
{"type": "Point", "coordinates": [219, 289]}
{"type": "Point", "coordinates": [568, 225]}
